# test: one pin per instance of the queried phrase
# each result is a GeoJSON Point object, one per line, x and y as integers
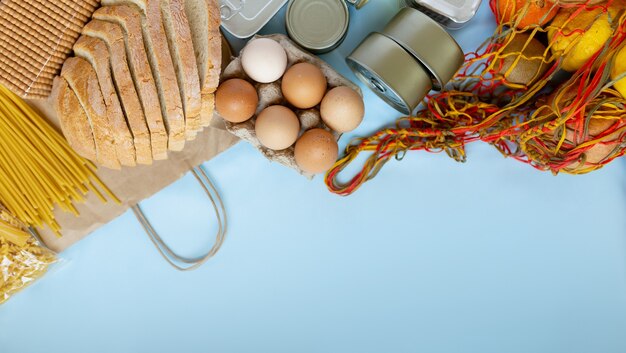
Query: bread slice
{"type": "Point", "coordinates": [112, 35]}
{"type": "Point", "coordinates": [208, 107]}
{"type": "Point", "coordinates": [96, 53]}
{"type": "Point", "coordinates": [83, 81]}
{"type": "Point", "coordinates": [128, 18]}
{"type": "Point", "coordinates": [73, 119]}
{"type": "Point", "coordinates": [204, 21]}
{"type": "Point", "coordinates": [158, 51]}
{"type": "Point", "coordinates": [182, 52]}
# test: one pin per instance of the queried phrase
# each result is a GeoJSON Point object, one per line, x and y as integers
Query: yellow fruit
{"type": "Point", "coordinates": [579, 47]}
{"type": "Point", "coordinates": [619, 68]}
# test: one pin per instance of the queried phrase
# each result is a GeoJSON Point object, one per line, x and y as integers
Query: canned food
{"type": "Point", "coordinates": [391, 72]}
{"type": "Point", "coordinates": [317, 25]}
{"type": "Point", "coordinates": [428, 42]}
{"type": "Point", "coordinates": [452, 14]}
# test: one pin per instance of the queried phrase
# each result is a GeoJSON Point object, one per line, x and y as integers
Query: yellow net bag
{"type": "Point", "coordinates": [547, 88]}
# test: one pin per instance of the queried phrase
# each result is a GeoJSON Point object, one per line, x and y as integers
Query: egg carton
{"type": "Point", "coordinates": [271, 94]}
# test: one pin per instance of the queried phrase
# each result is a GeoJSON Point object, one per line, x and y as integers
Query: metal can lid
{"type": "Point", "coordinates": [390, 72]}
{"type": "Point", "coordinates": [317, 25]}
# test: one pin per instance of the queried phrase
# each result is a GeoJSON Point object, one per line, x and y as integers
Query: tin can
{"type": "Point", "coordinates": [391, 72]}
{"type": "Point", "coordinates": [244, 18]}
{"type": "Point", "coordinates": [319, 25]}
{"type": "Point", "coordinates": [452, 14]}
{"type": "Point", "coordinates": [428, 42]}
{"type": "Point", "coordinates": [412, 55]}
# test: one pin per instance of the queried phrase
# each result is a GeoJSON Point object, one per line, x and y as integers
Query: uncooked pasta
{"type": "Point", "coordinates": [39, 171]}
{"type": "Point", "coordinates": [22, 259]}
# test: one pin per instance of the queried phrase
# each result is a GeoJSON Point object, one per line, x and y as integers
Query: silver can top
{"type": "Point", "coordinates": [317, 25]}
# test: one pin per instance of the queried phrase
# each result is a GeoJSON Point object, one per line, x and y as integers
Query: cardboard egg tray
{"type": "Point", "coordinates": [271, 94]}
{"type": "Point", "coordinates": [35, 38]}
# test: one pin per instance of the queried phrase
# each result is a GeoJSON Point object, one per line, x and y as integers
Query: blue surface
{"type": "Point", "coordinates": [489, 256]}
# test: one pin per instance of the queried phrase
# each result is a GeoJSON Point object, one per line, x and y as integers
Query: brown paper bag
{"type": "Point", "coordinates": [131, 185]}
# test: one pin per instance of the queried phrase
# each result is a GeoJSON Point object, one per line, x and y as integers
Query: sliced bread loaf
{"type": "Point", "coordinates": [95, 51]}
{"type": "Point", "coordinates": [157, 48]}
{"type": "Point", "coordinates": [129, 19]}
{"type": "Point", "coordinates": [73, 119]}
{"type": "Point", "coordinates": [204, 21]}
{"type": "Point", "coordinates": [112, 35]}
{"type": "Point", "coordinates": [83, 81]}
{"type": "Point", "coordinates": [182, 52]}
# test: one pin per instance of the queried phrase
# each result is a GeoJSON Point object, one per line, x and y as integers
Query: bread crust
{"type": "Point", "coordinates": [211, 52]}
{"type": "Point", "coordinates": [95, 51]}
{"type": "Point", "coordinates": [181, 49]}
{"type": "Point", "coordinates": [129, 19]}
{"type": "Point", "coordinates": [83, 82]}
{"type": "Point", "coordinates": [113, 36]}
{"type": "Point", "coordinates": [215, 47]}
{"type": "Point", "coordinates": [73, 119]}
{"type": "Point", "coordinates": [162, 67]}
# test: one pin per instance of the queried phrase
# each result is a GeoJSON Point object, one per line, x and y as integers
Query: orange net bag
{"type": "Point", "coordinates": [548, 88]}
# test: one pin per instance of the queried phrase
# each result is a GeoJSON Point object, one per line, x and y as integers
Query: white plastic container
{"type": "Point", "coordinates": [244, 18]}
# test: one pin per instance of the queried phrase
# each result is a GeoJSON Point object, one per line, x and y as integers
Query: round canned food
{"type": "Point", "coordinates": [428, 42]}
{"type": "Point", "coordinates": [317, 25]}
{"type": "Point", "coordinates": [391, 72]}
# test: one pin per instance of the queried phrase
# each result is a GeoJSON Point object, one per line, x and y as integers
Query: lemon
{"type": "Point", "coordinates": [619, 68]}
{"type": "Point", "coordinates": [579, 47]}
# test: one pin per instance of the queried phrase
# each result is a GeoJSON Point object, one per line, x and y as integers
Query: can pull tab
{"type": "Point", "coordinates": [357, 3]}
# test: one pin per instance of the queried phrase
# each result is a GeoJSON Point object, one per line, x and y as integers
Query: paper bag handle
{"type": "Point", "coordinates": [166, 252]}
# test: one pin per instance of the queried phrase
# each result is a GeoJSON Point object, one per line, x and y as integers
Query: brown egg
{"type": "Point", "coordinates": [342, 109]}
{"type": "Point", "coordinates": [236, 100]}
{"type": "Point", "coordinates": [277, 127]}
{"type": "Point", "coordinates": [316, 151]}
{"type": "Point", "coordinates": [304, 85]}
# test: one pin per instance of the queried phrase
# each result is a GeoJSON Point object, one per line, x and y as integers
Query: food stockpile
{"type": "Point", "coordinates": [548, 88]}
{"type": "Point", "coordinates": [133, 82]}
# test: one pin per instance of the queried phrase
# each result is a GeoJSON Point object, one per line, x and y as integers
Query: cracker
{"type": "Point", "coordinates": [29, 79]}
{"type": "Point", "coordinates": [18, 19]}
{"type": "Point", "coordinates": [43, 44]}
{"type": "Point", "coordinates": [46, 12]}
{"type": "Point", "coordinates": [19, 52]}
{"type": "Point", "coordinates": [62, 11]}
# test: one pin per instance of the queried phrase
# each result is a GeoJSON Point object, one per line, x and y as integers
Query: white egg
{"type": "Point", "coordinates": [264, 60]}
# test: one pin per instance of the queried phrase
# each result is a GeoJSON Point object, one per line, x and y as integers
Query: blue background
{"type": "Point", "coordinates": [489, 256]}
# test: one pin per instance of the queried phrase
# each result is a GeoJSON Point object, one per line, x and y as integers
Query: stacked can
{"type": "Point", "coordinates": [410, 57]}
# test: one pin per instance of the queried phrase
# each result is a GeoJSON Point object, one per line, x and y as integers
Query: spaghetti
{"type": "Point", "coordinates": [38, 169]}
